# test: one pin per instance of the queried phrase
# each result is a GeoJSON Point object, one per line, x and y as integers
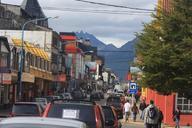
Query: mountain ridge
{"type": "Point", "coordinates": [118, 59]}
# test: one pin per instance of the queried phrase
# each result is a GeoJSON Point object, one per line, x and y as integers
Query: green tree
{"type": "Point", "coordinates": [165, 50]}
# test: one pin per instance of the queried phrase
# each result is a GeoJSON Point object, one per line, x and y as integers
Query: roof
{"type": "Point", "coordinates": [31, 49]}
{"type": "Point", "coordinates": [33, 8]}
{"type": "Point", "coordinates": [44, 121]}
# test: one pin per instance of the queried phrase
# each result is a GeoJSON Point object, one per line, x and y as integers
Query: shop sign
{"type": "Point", "coordinates": [5, 78]}
{"type": "Point", "coordinates": [26, 77]}
{"type": "Point", "coordinates": [59, 78]}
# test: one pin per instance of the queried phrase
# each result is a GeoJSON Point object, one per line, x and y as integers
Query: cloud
{"type": "Point", "coordinates": [110, 28]}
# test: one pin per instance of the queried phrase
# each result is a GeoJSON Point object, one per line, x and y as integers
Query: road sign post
{"type": "Point", "coordinates": [133, 88]}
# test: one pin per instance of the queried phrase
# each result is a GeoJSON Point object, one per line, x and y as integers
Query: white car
{"type": "Point", "coordinates": [39, 122]}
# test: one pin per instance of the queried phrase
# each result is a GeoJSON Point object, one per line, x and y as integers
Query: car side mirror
{"type": "Point", "coordinates": [109, 122]}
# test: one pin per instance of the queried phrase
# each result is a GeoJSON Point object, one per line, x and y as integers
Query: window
{"type": "Point", "coordinates": [38, 62]}
{"type": "Point", "coordinates": [45, 65]}
{"type": "Point", "coordinates": [14, 58]}
{"type": "Point", "coordinates": [184, 104]}
{"type": "Point", "coordinates": [3, 59]}
{"type": "Point", "coordinates": [42, 63]}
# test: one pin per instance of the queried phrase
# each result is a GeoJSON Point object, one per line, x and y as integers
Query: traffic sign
{"type": "Point", "coordinates": [133, 88]}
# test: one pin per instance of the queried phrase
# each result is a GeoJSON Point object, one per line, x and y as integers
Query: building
{"type": "Point", "coordinates": [13, 16]}
{"type": "Point", "coordinates": [5, 72]}
{"type": "Point", "coordinates": [36, 70]}
{"type": "Point", "coordinates": [50, 42]}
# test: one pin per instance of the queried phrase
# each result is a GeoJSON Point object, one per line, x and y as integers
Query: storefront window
{"type": "Point", "coordinates": [184, 104]}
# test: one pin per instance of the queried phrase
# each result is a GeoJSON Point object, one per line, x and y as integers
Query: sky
{"type": "Point", "coordinates": [117, 29]}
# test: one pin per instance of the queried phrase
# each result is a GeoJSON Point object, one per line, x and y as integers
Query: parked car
{"type": "Point", "coordinates": [39, 122]}
{"type": "Point", "coordinates": [95, 96]}
{"type": "Point", "coordinates": [77, 94]}
{"type": "Point", "coordinates": [42, 101]}
{"type": "Point", "coordinates": [115, 101]}
{"type": "Point", "coordinates": [26, 109]}
{"type": "Point", "coordinates": [67, 96]}
{"type": "Point", "coordinates": [50, 98]}
{"type": "Point", "coordinates": [85, 111]}
{"type": "Point", "coordinates": [101, 94]}
{"type": "Point", "coordinates": [111, 117]}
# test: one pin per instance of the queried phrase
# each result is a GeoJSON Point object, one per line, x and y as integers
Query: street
{"type": "Point", "coordinates": [95, 63]}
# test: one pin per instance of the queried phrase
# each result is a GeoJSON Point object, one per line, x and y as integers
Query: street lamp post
{"type": "Point", "coordinates": [19, 81]}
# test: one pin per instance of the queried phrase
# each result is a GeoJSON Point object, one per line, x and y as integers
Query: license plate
{"type": "Point", "coordinates": [69, 113]}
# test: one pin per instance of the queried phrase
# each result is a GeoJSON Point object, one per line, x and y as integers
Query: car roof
{"type": "Point", "coordinates": [80, 102]}
{"type": "Point", "coordinates": [33, 103]}
{"type": "Point", "coordinates": [44, 121]}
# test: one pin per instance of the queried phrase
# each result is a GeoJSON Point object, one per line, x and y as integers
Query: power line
{"type": "Point", "coordinates": [117, 6]}
{"type": "Point", "coordinates": [98, 11]}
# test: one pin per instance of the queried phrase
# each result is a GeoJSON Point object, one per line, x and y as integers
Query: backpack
{"type": "Point", "coordinates": [152, 113]}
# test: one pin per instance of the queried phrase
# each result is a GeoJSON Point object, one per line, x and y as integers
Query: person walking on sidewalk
{"type": "Point", "coordinates": [176, 117]}
{"type": "Point", "coordinates": [142, 107]}
{"type": "Point", "coordinates": [135, 111]}
{"type": "Point", "coordinates": [160, 118]}
{"type": "Point", "coordinates": [151, 116]}
{"type": "Point", "coordinates": [126, 109]}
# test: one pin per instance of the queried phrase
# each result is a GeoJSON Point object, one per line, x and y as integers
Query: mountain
{"type": "Point", "coordinates": [118, 59]}
{"type": "Point", "coordinates": [94, 41]}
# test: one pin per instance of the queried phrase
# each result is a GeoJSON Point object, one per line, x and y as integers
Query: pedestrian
{"type": "Point", "coordinates": [126, 110]}
{"type": "Point", "coordinates": [160, 118]}
{"type": "Point", "coordinates": [151, 116]}
{"type": "Point", "coordinates": [135, 111]}
{"type": "Point", "coordinates": [176, 117]}
{"type": "Point", "coordinates": [142, 107]}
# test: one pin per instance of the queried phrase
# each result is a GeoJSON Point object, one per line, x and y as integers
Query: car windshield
{"type": "Point", "coordinates": [114, 100]}
{"type": "Point", "coordinates": [25, 109]}
{"type": "Point", "coordinates": [32, 126]}
{"type": "Point", "coordinates": [83, 113]}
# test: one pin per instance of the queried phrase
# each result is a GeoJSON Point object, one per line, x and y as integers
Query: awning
{"type": "Point", "coordinates": [67, 37]}
{"type": "Point", "coordinates": [31, 49]}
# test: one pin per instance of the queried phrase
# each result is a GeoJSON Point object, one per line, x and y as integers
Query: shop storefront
{"type": "Point", "coordinates": [5, 86]}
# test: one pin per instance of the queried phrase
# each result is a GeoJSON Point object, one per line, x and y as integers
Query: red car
{"type": "Point", "coordinates": [85, 111]}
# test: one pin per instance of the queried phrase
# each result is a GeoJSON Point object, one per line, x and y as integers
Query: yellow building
{"type": "Point", "coordinates": [36, 70]}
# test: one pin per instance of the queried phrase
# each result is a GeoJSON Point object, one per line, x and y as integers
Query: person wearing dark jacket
{"type": "Point", "coordinates": [176, 117]}
{"type": "Point", "coordinates": [160, 118]}
{"type": "Point", "coordinates": [142, 107]}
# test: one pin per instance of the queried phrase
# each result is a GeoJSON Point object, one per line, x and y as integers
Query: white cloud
{"type": "Point", "coordinates": [110, 28]}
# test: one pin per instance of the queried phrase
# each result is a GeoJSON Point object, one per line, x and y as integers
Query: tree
{"type": "Point", "coordinates": [165, 50]}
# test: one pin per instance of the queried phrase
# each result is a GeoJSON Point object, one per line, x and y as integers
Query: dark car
{"type": "Point", "coordinates": [77, 94]}
{"type": "Point", "coordinates": [26, 109]}
{"type": "Point", "coordinates": [115, 101]}
{"type": "Point", "coordinates": [95, 96]}
{"type": "Point", "coordinates": [85, 111]}
{"type": "Point", "coordinates": [101, 94]}
{"type": "Point", "coordinates": [111, 118]}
